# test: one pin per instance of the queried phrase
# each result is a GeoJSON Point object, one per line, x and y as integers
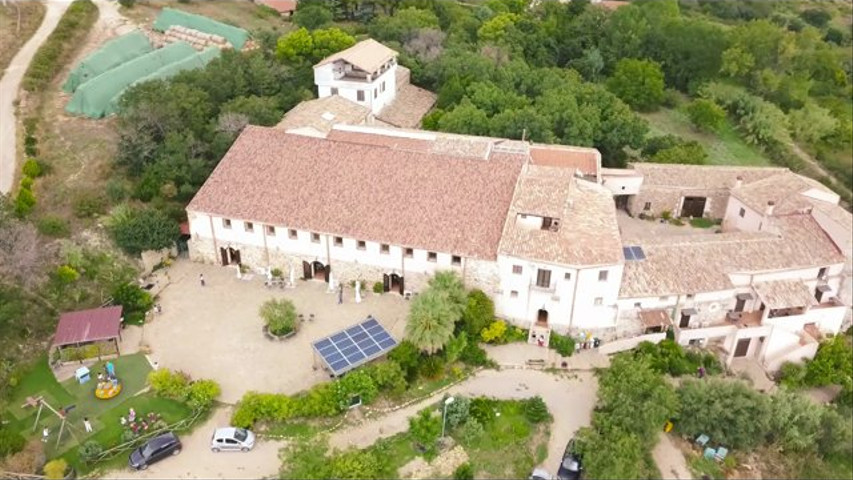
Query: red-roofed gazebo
{"type": "Point", "coordinates": [97, 326]}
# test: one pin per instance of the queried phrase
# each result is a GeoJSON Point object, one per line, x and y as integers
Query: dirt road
{"type": "Point", "coordinates": [670, 460]}
{"type": "Point", "coordinates": [197, 461]}
{"type": "Point", "coordinates": [570, 401]}
{"type": "Point", "coordinates": [11, 83]}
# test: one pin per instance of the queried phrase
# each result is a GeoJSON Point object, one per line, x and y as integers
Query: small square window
{"type": "Point", "coordinates": [359, 96]}
{"type": "Point", "coordinates": [384, 248]}
{"type": "Point", "coordinates": [647, 206]}
{"type": "Point", "coordinates": [410, 252]}
{"type": "Point", "coordinates": [249, 226]}
{"type": "Point", "coordinates": [638, 305]}
{"type": "Point", "coordinates": [270, 230]}
{"type": "Point", "coordinates": [226, 223]}
{"type": "Point", "coordinates": [456, 260]}
{"type": "Point", "coordinates": [567, 276]}
{"type": "Point", "coordinates": [339, 241]}
{"type": "Point", "coordinates": [742, 213]}
{"type": "Point", "coordinates": [690, 296]}
{"type": "Point", "coordinates": [523, 216]}
{"type": "Point", "coordinates": [334, 90]}
{"type": "Point", "coordinates": [292, 233]}
{"type": "Point", "coordinates": [602, 276]}
{"type": "Point", "coordinates": [599, 300]}
{"type": "Point", "coordinates": [432, 256]}
{"type": "Point", "coordinates": [663, 299]}
{"type": "Point", "coordinates": [513, 294]}
{"type": "Point", "coordinates": [361, 245]}
{"type": "Point", "coordinates": [516, 269]}
{"type": "Point", "coordinates": [315, 237]}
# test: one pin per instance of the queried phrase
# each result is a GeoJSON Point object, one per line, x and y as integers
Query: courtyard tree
{"type": "Point", "coordinates": [431, 320]}
{"type": "Point", "coordinates": [639, 83]}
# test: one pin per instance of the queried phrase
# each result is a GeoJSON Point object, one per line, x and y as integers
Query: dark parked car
{"type": "Point", "coordinates": [571, 465]}
{"type": "Point", "coordinates": [154, 450]}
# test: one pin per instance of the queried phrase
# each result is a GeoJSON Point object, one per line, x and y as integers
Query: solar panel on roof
{"type": "Point", "coordinates": [354, 346]}
{"type": "Point", "coordinates": [638, 253]}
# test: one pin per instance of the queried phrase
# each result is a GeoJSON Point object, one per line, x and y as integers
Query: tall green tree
{"type": "Point", "coordinates": [639, 83]}
{"type": "Point", "coordinates": [431, 321]}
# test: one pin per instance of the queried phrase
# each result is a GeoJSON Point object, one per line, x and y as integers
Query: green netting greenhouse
{"type": "Point", "coordinates": [112, 54]}
{"type": "Point", "coordinates": [168, 17]}
{"type": "Point", "coordinates": [94, 97]}
{"type": "Point", "coordinates": [198, 60]}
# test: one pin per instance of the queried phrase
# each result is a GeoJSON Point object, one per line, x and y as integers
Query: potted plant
{"type": "Point", "coordinates": [378, 287]}
{"type": "Point", "coordinates": [276, 273]}
{"type": "Point", "coordinates": [279, 318]}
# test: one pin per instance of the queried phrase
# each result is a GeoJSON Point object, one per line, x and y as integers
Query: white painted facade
{"type": "Point", "coordinates": [374, 90]}
{"type": "Point", "coordinates": [621, 181]}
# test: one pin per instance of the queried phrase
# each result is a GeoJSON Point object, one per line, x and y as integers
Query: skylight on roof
{"type": "Point", "coordinates": [633, 253]}
{"type": "Point", "coordinates": [328, 116]}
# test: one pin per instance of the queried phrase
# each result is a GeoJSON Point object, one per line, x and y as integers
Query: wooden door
{"type": "Point", "coordinates": [306, 270]}
{"type": "Point", "coordinates": [402, 287]}
{"type": "Point", "coordinates": [386, 282]}
{"type": "Point", "coordinates": [739, 304]}
{"type": "Point", "coordinates": [685, 321]}
{"type": "Point", "coordinates": [235, 256]}
{"type": "Point", "coordinates": [742, 347]}
{"type": "Point", "coordinates": [693, 207]}
{"type": "Point", "coordinates": [223, 253]}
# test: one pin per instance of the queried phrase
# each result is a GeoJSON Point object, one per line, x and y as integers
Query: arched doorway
{"type": "Point", "coordinates": [542, 317]}
{"type": "Point", "coordinates": [321, 272]}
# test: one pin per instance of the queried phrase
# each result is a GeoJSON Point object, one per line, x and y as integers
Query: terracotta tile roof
{"type": "Point", "coordinates": [410, 105]}
{"type": "Point", "coordinates": [367, 55]}
{"type": "Point", "coordinates": [281, 6]}
{"type": "Point", "coordinates": [586, 160]}
{"type": "Point", "coordinates": [397, 142]}
{"type": "Point", "coordinates": [588, 233]}
{"type": "Point", "coordinates": [784, 294]}
{"type": "Point", "coordinates": [655, 318]}
{"type": "Point", "coordinates": [322, 114]}
{"type": "Point", "coordinates": [702, 263]}
{"type": "Point", "coordinates": [787, 190]}
{"type": "Point", "coordinates": [703, 177]}
{"type": "Point", "coordinates": [88, 326]}
{"type": "Point", "coordinates": [835, 212]}
{"type": "Point", "coordinates": [409, 198]}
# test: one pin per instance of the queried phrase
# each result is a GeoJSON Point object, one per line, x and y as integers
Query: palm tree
{"type": "Point", "coordinates": [431, 321]}
{"type": "Point", "coordinates": [451, 285]}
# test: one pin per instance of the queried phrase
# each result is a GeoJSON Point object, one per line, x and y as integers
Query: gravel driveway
{"type": "Point", "coordinates": [197, 461]}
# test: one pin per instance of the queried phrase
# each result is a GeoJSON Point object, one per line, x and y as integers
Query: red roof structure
{"type": "Point", "coordinates": [88, 326]}
{"type": "Point", "coordinates": [281, 6]}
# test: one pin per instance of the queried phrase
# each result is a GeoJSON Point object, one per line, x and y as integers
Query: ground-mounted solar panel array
{"type": "Point", "coordinates": [354, 346]}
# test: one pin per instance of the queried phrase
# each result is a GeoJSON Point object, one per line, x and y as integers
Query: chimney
{"type": "Point", "coordinates": [738, 181]}
{"type": "Point", "coordinates": [769, 210]}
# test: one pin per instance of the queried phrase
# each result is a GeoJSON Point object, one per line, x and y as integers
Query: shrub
{"type": "Point", "coordinates": [730, 412]}
{"type": "Point", "coordinates": [169, 384]}
{"type": "Point", "coordinates": [833, 363]}
{"type": "Point", "coordinates": [454, 348]}
{"type": "Point", "coordinates": [132, 298]}
{"type": "Point", "coordinates": [116, 190]}
{"type": "Point", "coordinates": [474, 355]}
{"type": "Point", "coordinates": [432, 366]}
{"type": "Point", "coordinates": [279, 316]}
{"type": "Point", "coordinates": [706, 115]}
{"type": "Point", "coordinates": [55, 469]}
{"type": "Point", "coordinates": [88, 205]}
{"type": "Point", "coordinates": [32, 168]}
{"type": "Point", "coordinates": [639, 83]}
{"type": "Point", "coordinates": [53, 226]}
{"type": "Point", "coordinates": [357, 383]}
{"type": "Point", "coordinates": [464, 472]}
{"type": "Point", "coordinates": [483, 410]}
{"type": "Point", "coordinates": [321, 401]}
{"type": "Point", "coordinates": [27, 182]}
{"type": "Point", "coordinates": [276, 273]}
{"type": "Point", "coordinates": [10, 442]}
{"type": "Point", "coordinates": [563, 344]}
{"type": "Point", "coordinates": [388, 376]}
{"type": "Point", "coordinates": [479, 312]}
{"type": "Point", "coordinates": [66, 274]}
{"type": "Point", "coordinates": [495, 332]}
{"type": "Point", "coordinates": [378, 287]}
{"type": "Point", "coordinates": [425, 429]}
{"type": "Point", "coordinates": [30, 145]}
{"type": "Point", "coordinates": [26, 461]}
{"type": "Point", "coordinates": [24, 202]}
{"type": "Point", "coordinates": [138, 230]}
{"type": "Point", "coordinates": [89, 451]}
{"type": "Point", "coordinates": [202, 393]}
{"type": "Point", "coordinates": [127, 3]}
{"type": "Point", "coordinates": [666, 215]}
{"type": "Point", "coordinates": [457, 412]}
{"type": "Point", "coordinates": [65, 38]}
{"type": "Point", "coordinates": [471, 431]}
{"type": "Point", "coordinates": [407, 356]}
{"type": "Point", "coordinates": [535, 410]}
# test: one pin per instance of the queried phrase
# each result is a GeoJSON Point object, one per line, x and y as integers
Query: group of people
{"type": "Point", "coordinates": [107, 376]}
{"type": "Point", "coordinates": [131, 417]}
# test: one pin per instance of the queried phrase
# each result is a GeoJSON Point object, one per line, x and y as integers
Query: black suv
{"type": "Point", "coordinates": [155, 450]}
{"type": "Point", "coordinates": [571, 466]}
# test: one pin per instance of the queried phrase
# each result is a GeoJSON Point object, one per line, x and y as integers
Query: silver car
{"type": "Point", "coordinates": [232, 439]}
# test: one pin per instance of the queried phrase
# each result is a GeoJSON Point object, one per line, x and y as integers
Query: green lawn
{"type": "Point", "coordinates": [724, 148]}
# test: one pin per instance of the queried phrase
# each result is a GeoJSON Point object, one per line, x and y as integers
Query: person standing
{"type": "Point", "coordinates": [341, 294]}
{"type": "Point", "coordinates": [201, 279]}
{"type": "Point", "coordinates": [87, 424]}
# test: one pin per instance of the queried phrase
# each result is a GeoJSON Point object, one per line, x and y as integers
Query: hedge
{"type": "Point", "coordinates": [65, 39]}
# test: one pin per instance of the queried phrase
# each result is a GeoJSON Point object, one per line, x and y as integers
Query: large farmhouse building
{"type": "Point", "coordinates": [335, 191]}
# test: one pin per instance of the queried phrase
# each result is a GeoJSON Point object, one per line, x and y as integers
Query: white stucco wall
{"type": "Point", "coordinates": [621, 181]}
{"type": "Point", "coordinates": [751, 221]}
{"type": "Point", "coordinates": [375, 96]}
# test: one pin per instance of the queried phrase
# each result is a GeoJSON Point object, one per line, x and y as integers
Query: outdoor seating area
{"type": "Point", "coordinates": [86, 334]}
{"type": "Point", "coordinates": [719, 454]}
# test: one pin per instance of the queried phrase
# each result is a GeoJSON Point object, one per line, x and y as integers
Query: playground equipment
{"type": "Point", "coordinates": [41, 403]}
{"type": "Point", "coordinates": [108, 389]}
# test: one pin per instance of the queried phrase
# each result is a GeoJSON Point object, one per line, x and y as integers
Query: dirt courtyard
{"type": "Point", "coordinates": [215, 331]}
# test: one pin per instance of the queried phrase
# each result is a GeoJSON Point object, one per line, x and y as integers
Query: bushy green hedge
{"type": "Point", "coordinates": [563, 344]}
{"type": "Point", "coordinates": [199, 394]}
{"type": "Point", "coordinates": [668, 356]}
{"type": "Point", "coordinates": [65, 38]}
